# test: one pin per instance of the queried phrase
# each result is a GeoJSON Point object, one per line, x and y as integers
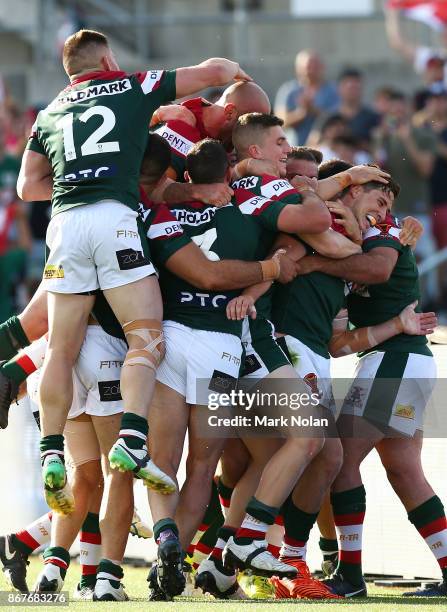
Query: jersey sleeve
{"type": "Point", "coordinates": [266, 211]}
{"type": "Point", "coordinates": [165, 233]}
{"type": "Point", "coordinates": [33, 143]}
{"type": "Point", "coordinates": [158, 86]}
{"type": "Point", "coordinates": [181, 137]}
{"type": "Point", "coordinates": [383, 235]}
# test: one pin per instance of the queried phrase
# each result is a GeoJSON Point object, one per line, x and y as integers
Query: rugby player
{"type": "Point", "coordinates": [399, 373]}
{"type": "Point", "coordinates": [89, 142]}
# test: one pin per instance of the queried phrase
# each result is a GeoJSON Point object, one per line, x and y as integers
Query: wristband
{"type": "Point", "coordinates": [271, 269]}
{"type": "Point", "coordinates": [344, 180]}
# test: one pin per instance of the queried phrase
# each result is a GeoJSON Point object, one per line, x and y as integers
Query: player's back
{"type": "Point", "coordinates": [94, 134]}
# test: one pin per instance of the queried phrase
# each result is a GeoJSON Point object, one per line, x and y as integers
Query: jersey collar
{"type": "Point", "coordinates": [103, 75]}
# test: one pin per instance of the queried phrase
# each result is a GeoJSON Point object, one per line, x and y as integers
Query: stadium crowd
{"type": "Point", "coordinates": [268, 234]}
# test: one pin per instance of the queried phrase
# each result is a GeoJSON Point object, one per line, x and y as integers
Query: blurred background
{"type": "Point", "coordinates": [363, 80]}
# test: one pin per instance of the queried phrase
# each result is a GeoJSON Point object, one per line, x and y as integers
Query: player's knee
{"type": "Point", "coordinates": [146, 343]}
{"type": "Point", "coordinates": [89, 475]}
{"type": "Point", "coordinates": [310, 446]}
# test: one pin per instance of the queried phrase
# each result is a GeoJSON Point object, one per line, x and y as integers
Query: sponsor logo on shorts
{"type": "Point", "coordinates": [109, 390]}
{"type": "Point", "coordinates": [52, 271]}
{"type": "Point", "coordinates": [221, 382]}
{"type": "Point", "coordinates": [251, 364]}
{"type": "Point", "coordinates": [110, 364]}
{"type": "Point", "coordinates": [231, 358]}
{"type": "Point", "coordinates": [122, 233]}
{"type": "Point", "coordinates": [355, 397]}
{"type": "Point", "coordinates": [128, 259]}
{"type": "Point", "coordinates": [405, 411]}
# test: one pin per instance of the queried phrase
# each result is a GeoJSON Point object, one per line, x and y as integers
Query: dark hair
{"type": "Point", "coordinates": [331, 120]}
{"type": "Point", "coordinates": [350, 73]}
{"type": "Point", "coordinates": [207, 162]}
{"type": "Point", "coordinates": [331, 167]}
{"type": "Point", "coordinates": [306, 153]}
{"type": "Point", "coordinates": [156, 159]}
{"type": "Point", "coordinates": [335, 166]}
{"type": "Point", "coordinates": [77, 48]}
{"type": "Point", "coordinates": [398, 96]}
{"type": "Point", "coordinates": [251, 127]}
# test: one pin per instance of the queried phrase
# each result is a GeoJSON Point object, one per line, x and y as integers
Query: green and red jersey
{"type": "Point", "coordinates": [94, 134]}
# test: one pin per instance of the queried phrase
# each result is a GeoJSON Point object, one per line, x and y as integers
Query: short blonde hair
{"type": "Point", "coordinates": [82, 50]}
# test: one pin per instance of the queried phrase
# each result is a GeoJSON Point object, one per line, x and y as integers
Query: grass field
{"type": "Point", "coordinates": [381, 599]}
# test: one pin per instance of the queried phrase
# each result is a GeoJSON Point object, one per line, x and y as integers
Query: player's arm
{"type": "Point", "coordinates": [312, 216]}
{"type": "Point", "coordinates": [395, 37]}
{"type": "Point", "coordinates": [328, 188]}
{"type": "Point", "coordinates": [244, 304]}
{"type": "Point", "coordinates": [191, 264]}
{"type": "Point", "coordinates": [35, 181]}
{"type": "Point", "coordinates": [345, 342]}
{"type": "Point", "coordinates": [172, 192]}
{"type": "Point", "coordinates": [370, 268]}
{"type": "Point", "coordinates": [213, 72]}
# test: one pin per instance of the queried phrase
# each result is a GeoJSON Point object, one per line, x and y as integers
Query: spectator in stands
{"type": "Point", "coordinates": [434, 117]}
{"type": "Point", "coordinates": [429, 62]}
{"type": "Point", "coordinates": [361, 118]}
{"type": "Point", "coordinates": [382, 99]}
{"type": "Point", "coordinates": [328, 129]}
{"type": "Point", "coordinates": [408, 153]}
{"type": "Point", "coordinates": [301, 101]}
{"type": "Point", "coordinates": [15, 238]}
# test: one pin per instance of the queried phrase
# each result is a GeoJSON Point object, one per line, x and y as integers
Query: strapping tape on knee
{"type": "Point", "coordinates": [149, 331]}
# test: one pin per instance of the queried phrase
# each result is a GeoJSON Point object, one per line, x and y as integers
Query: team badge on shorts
{"type": "Point", "coordinates": [221, 382]}
{"type": "Point", "coordinates": [311, 380]}
{"type": "Point", "coordinates": [51, 271]}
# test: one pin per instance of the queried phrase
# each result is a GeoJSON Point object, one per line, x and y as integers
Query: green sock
{"type": "Point", "coordinates": [329, 548]}
{"type": "Point", "coordinates": [134, 430]}
{"type": "Point", "coordinates": [166, 524]}
{"type": "Point", "coordinates": [14, 370]}
{"type": "Point", "coordinates": [107, 567]}
{"type": "Point", "coordinates": [12, 338]}
{"type": "Point", "coordinates": [90, 554]}
{"type": "Point", "coordinates": [349, 513]}
{"type": "Point", "coordinates": [297, 523]}
{"type": "Point", "coordinates": [256, 522]}
{"type": "Point", "coordinates": [52, 443]}
{"type": "Point", "coordinates": [57, 555]}
{"type": "Point", "coordinates": [225, 493]}
{"type": "Point", "coordinates": [429, 519]}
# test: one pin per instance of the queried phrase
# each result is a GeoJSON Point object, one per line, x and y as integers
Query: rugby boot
{"type": "Point", "coordinates": [155, 592]}
{"type": "Point", "coordinates": [58, 494]}
{"type": "Point", "coordinates": [256, 587]}
{"type": "Point", "coordinates": [429, 590]}
{"type": "Point", "coordinates": [14, 564]}
{"type": "Point", "coordinates": [105, 591]}
{"type": "Point", "coordinates": [256, 557]}
{"type": "Point", "coordinates": [138, 461]}
{"type": "Point", "coordinates": [170, 567]}
{"type": "Point", "coordinates": [303, 586]}
{"type": "Point", "coordinates": [49, 580]}
{"type": "Point", "coordinates": [210, 580]}
{"type": "Point", "coordinates": [8, 393]}
{"type": "Point", "coordinates": [339, 586]}
{"type": "Point", "coordinates": [139, 528]}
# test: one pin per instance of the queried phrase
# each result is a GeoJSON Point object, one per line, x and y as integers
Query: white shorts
{"type": "Point", "coordinates": [198, 362]}
{"type": "Point", "coordinates": [96, 376]}
{"type": "Point", "coordinates": [263, 355]}
{"type": "Point", "coordinates": [95, 246]}
{"type": "Point", "coordinates": [314, 369]}
{"type": "Point", "coordinates": [392, 390]}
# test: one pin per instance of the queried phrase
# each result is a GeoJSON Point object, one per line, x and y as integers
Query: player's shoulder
{"type": "Point", "coordinates": [388, 230]}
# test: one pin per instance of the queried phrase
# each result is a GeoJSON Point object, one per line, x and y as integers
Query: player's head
{"type": "Point", "coordinates": [207, 162]}
{"type": "Point", "coordinates": [367, 201]}
{"type": "Point", "coordinates": [236, 100]}
{"type": "Point", "coordinates": [156, 160]}
{"type": "Point", "coordinates": [260, 136]}
{"type": "Point", "coordinates": [86, 51]}
{"type": "Point", "coordinates": [303, 161]}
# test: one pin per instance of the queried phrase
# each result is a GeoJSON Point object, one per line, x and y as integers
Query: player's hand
{"type": "Point", "coordinates": [239, 307]}
{"type": "Point", "coordinates": [216, 194]}
{"type": "Point", "coordinates": [288, 267]}
{"type": "Point", "coordinates": [412, 230]}
{"type": "Point", "coordinates": [173, 112]}
{"type": "Point", "coordinates": [364, 174]}
{"type": "Point", "coordinates": [241, 75]}
{"type": "Point", "coordinates": [347, 219]}
{"type": "Point", "coordinates": [301, 183]}
{"type": "Point", "coordinates": [417, 323]}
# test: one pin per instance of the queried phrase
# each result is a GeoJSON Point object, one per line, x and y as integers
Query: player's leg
{"type": "Point", "coordinates": [401, 459]}
{"type": "Point", "coordinates": [86, 477]}
{"type": "Point", "coordinates": [328, 537]}
{"type": "Point", "coordinates": [56, 387]}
